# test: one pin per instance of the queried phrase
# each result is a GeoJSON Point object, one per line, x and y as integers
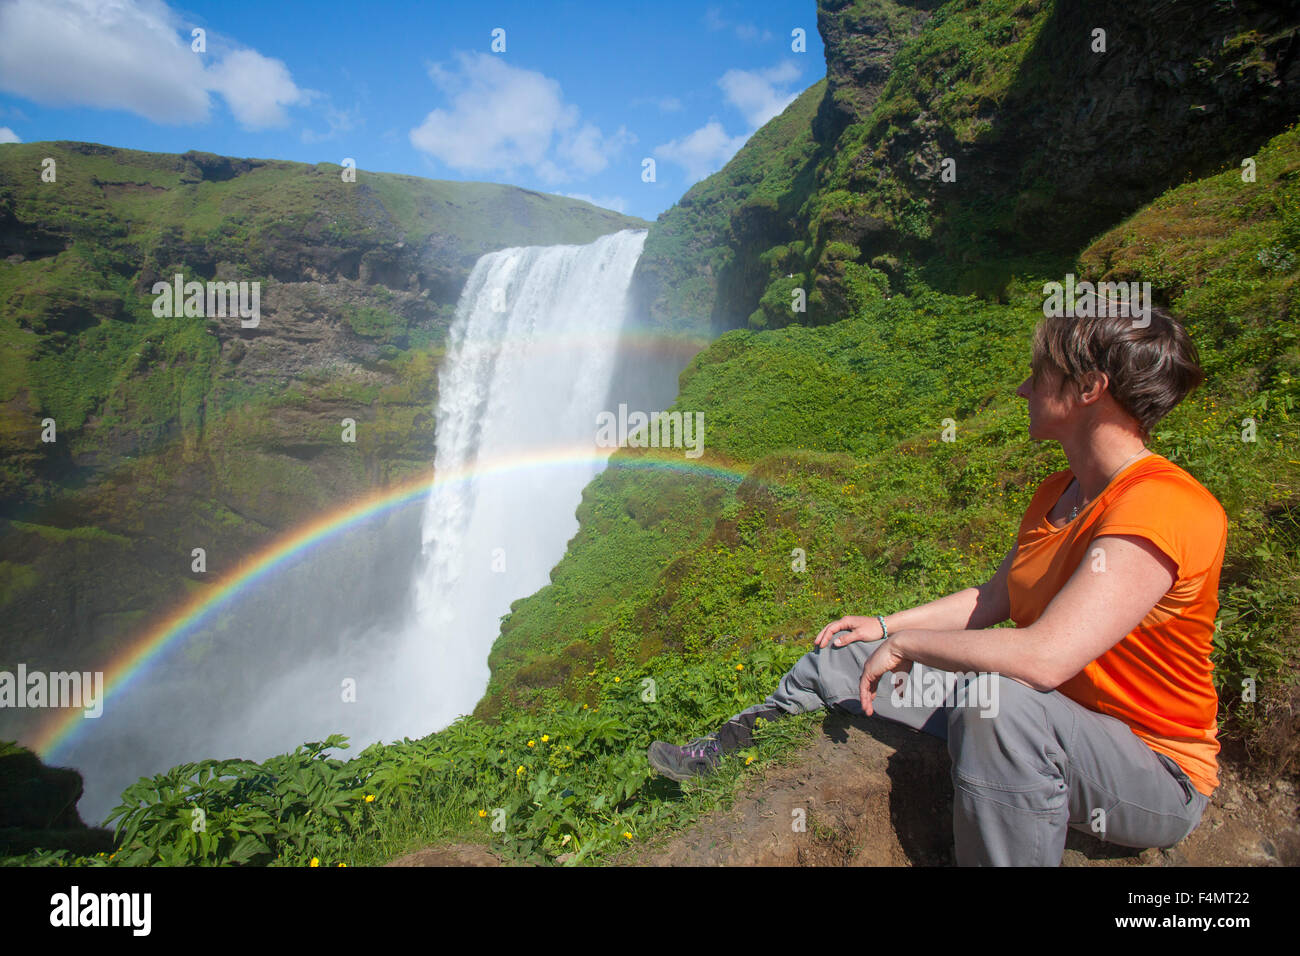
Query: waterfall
{"type": "Point", "coordinates": [528, 366]}
{"type": "Point", "coordinates": [326, 646]}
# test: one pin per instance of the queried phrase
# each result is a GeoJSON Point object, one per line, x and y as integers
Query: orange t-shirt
{"type": "Point", "coordinates": [1157, 679]}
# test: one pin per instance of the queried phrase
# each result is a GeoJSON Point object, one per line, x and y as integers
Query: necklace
{"type": "Point", "coordinates": [1078, 488]}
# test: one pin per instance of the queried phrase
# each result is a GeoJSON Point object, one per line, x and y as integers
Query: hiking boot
{"type": "Point", "coordinates": [699, 758]}
{"type": "Point", "coordinates": [702, 755]}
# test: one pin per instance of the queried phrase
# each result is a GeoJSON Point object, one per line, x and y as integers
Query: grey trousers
{"type": "Point", "coordinates": [1026, 765]}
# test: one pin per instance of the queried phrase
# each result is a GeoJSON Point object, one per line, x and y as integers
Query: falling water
{"type": "Point", "coordinates": [528, 367]}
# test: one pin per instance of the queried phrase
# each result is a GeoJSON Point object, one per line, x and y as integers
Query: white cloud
{"type": "Point", "coordinates": [760, 94]}
{"type": "Point", "coordinates": [702, 152]}
{"type": "Point", "coordinates": [588, 151]}
{"type": "Point", "coordinates": [501, 118]}
{"type": "Point", "coordinates": [135, 55]}
{"type": "Point", "coordinates": [8, 136]}
{"type": "Point", "coordinates": [256, 88]}
{"type": "Point", "coordinates": [107, 55]}
{"type": "Point", "coordinates": [616, 203]}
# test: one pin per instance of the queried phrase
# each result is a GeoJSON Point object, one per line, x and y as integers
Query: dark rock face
{"type": "Point", "coordinates": [33, 795]}
{"type": "Point", "coordinates": [26, 240]}
{"type": "Point", "coordinates": [1183, 89]}
{"type": "Point", "coordinates": [861, 41]}
{"type": "Point", "coordinates": [1082, 137]}
{"type": "Point", "coordinates": [38, 807]}
{"type": "Point", "coordinates": [208, 167]}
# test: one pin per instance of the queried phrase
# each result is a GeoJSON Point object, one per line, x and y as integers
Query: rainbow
{"type": "Point", "coordinates": [173, 627]}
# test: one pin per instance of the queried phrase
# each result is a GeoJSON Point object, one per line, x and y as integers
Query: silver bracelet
{"type": "Point", "coordinates": [884, 631]}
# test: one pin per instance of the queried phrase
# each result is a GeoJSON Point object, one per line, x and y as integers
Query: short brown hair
{"type": "Point", "coordinates": [1150, 369]}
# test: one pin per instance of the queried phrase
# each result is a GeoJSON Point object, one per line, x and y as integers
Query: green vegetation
{"type": "Point", "coordinates": [64, 535]}
{"type": "Point", "coordinates": [14, 579]}
{"type": "Point", "coordinates": [977, 159]}
{"type": "Point", "coordinates": [571, 783]}
{"type": "Point", "coordinates": [827, 488]}
{"type": "Point", "coordinates": [827, 440]}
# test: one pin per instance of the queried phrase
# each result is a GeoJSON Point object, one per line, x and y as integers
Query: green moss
{"type": "Point", "coordinates": [16, 578]}
{"type": "Point", "coordinates": [64, 535]}
{"type": "Point", "coordinates": [373, 323]}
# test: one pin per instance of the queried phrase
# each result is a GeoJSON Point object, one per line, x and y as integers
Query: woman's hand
{"type": "Point", "coordinates": [887, 657]}
{"type": "Point", "coordinates": [862, 628]}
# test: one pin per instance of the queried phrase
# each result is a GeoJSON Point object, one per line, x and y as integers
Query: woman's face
{"type": "Point", "coordinates": [1049, 405]}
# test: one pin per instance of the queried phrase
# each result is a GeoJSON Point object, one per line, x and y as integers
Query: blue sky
{"type": "Point", "coordinates": [581, 95]}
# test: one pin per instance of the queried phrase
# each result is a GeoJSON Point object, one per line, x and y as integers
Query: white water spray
{"type": "Point", "coordinates": [527, 370]}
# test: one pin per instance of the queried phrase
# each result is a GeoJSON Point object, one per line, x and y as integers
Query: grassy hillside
{"type": "Point", "coordinates": [696, 242]}
{"type": "Point", "coordinates": [826, 439]}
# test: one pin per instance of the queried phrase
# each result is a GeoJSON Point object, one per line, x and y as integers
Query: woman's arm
{"type": "Point", "coordinates": [1096, 609]}
{"type": "Point", "coordinates": [973, 607]}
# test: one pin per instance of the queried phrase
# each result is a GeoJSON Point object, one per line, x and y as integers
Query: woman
{"type": "Point", "coordinates": [1098, 709]}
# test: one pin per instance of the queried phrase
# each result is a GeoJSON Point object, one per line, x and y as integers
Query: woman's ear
{"type": "Point", "coordinates": [1094, 386]}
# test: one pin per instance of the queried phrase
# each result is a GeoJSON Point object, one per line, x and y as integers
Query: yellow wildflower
{"type": "Point", "coordinates": [370, 798]}
{"type": "Point", "coordinates": [315, 861]}
{"type": "Point", "coordinates": [520, 771]}
{"type": "Point", "coordinates": [482, 813]}
{"type": "Point", "coordinates": [545, 737]}
{"type": "Point", "coordinates": [748, 761]}
{"type": "Point", "coordinates": [626, 834]}
{"type": "Point", "coordinates": [616, 680]}
{"type": "Point", "coordinates": [532, 743]}
{"type": "Point", "coordinates": [740, 667]}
